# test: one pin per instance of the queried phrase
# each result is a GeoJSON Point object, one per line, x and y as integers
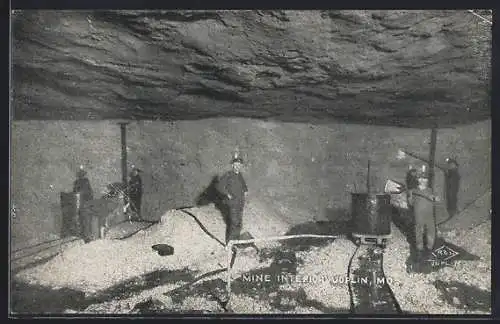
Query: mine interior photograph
{"type": "Point", "coordinates": [250, 162]}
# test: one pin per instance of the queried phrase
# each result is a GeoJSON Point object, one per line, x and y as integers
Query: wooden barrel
{"type": "Point", "coordinates": [371, 214]}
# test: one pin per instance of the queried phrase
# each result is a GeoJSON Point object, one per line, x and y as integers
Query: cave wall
{"type": "Point", "coordinates": [303, 170]}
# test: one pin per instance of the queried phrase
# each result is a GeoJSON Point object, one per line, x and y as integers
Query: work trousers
{"type": "Point", "coordinates": [425, 228]}
{"type": "Point", "coordinates": [234, 220]}
{"type": "Point", "coordinates": [451, 203]}
{"type": "Point", "coordinates": [135, 204]}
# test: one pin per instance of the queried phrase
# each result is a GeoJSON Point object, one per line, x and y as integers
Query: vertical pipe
{"type": "Point", "coordinates": [229, 269]}
{"type": "Point", "coordinates": [368, 179]}
{"type": "Point", "coordinates": [123, 129]}
{"type": "Point", "coordinates": [432, 157]}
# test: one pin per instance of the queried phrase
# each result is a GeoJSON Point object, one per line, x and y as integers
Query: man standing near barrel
{"type": "Point", "coordinates": [423, 201]}
{"type": "Point", "coordinates": [233, 189]}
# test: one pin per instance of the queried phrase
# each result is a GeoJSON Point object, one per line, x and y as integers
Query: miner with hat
{"type": "Point", "coordinates": [135, 191]}
{"type": "Point", "coordinates": [83, 193]}
{"type": "Point", "coordinates": [233, 189]}
{"type": "Point", "coordinates": [423, 201]}
{"type": "Point", "coordinates": [82, 186]}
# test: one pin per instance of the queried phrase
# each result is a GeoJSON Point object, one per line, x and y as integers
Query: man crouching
{"type": "Point", "coordinates": [98, 215]}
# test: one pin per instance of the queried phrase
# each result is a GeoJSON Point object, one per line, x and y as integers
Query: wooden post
{"type": "Point", "coordinates": [123, 129]}
{"type": "Point", "coordinates": [368, 178]}
{"type": "Point", "coordinates": [432, 160]}
{"type": "Point", "coordinates": [229, 271]}
{"type": "Point", "coordinates": [432, 157]}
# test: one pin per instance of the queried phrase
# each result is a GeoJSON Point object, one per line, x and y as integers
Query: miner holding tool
{"type": "Point", "coordinates": [451, 178]}
{"type": "Point", "coordinates": [233, 190]}
{"type": "Point", "coordinates": [423, 201]}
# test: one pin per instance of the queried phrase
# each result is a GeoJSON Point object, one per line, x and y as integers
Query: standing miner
{"type": "Point", "coordinates": [83, 192]}
{"type": "Point", "coordinates": [423, 201]}
{"type": "Point", "coordinates": [82, 186]}
{"type": "Point", "coordinates": [135, 192]}
{"type": "Point", "coordinates": [233, 189]}
{"type": "Point", "coordinates": [452, 183]}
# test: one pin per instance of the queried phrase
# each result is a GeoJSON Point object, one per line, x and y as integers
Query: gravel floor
{"type": "Point", "coordinates": [416, 292]}
{"type": "Point", "coordinates": [319, 285]}
{"type": "Point", "coordinates": [329, 294]}
{"type": "Point", "coordinates": [102, 264]}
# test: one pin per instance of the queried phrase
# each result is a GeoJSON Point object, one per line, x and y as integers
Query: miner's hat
{"type": "Point", "coordinates": [81, 173]}
{"type": "Point", "coordinates": [134, 168]}
{"type": "Point", "coordinates": [451, 160]}
{"type": "Point", "coordinates": [423, 174]}
{"type": "Point", "coordinates": [236, 158]}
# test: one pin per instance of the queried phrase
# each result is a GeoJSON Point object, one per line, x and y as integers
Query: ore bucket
{"type": "Point", "coordinates": [371, 214]}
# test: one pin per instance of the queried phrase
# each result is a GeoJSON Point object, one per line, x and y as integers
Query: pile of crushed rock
{"type": "Point", "coordinates": [317, 286]}
{"type": "Point", "coordinates": [102, 264]}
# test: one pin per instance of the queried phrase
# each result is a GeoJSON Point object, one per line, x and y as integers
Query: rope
{"type": "Point", "coordinates": [349, 270]}
{"type": "Point", "coordinates": [202, 226]}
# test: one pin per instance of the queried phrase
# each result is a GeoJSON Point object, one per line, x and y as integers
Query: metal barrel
{"type": "Point", "coordinates": [371, 214]}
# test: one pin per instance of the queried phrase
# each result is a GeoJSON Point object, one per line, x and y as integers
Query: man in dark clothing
{"type": "Point", "coordinates": [452, 183]}
{"type": "Point", "coordinates": [233, 190]}
{"type": "Point", "coordinates": [82, 186]}
{"type": "Point", "coordinates": [135, 192]}
{"type": "Point", "coordinates": [83, 189]}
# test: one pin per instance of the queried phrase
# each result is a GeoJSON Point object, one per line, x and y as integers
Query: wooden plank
{"type": "Point", "coordinates": [432, 161]}
{"type": "Point", "coordinates": [432, 157]}
{"type": "Point", "coordinates": [123, 130]}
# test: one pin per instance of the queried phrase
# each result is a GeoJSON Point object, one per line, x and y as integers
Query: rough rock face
{"type": "Point", "coordinates": [408, 68]}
